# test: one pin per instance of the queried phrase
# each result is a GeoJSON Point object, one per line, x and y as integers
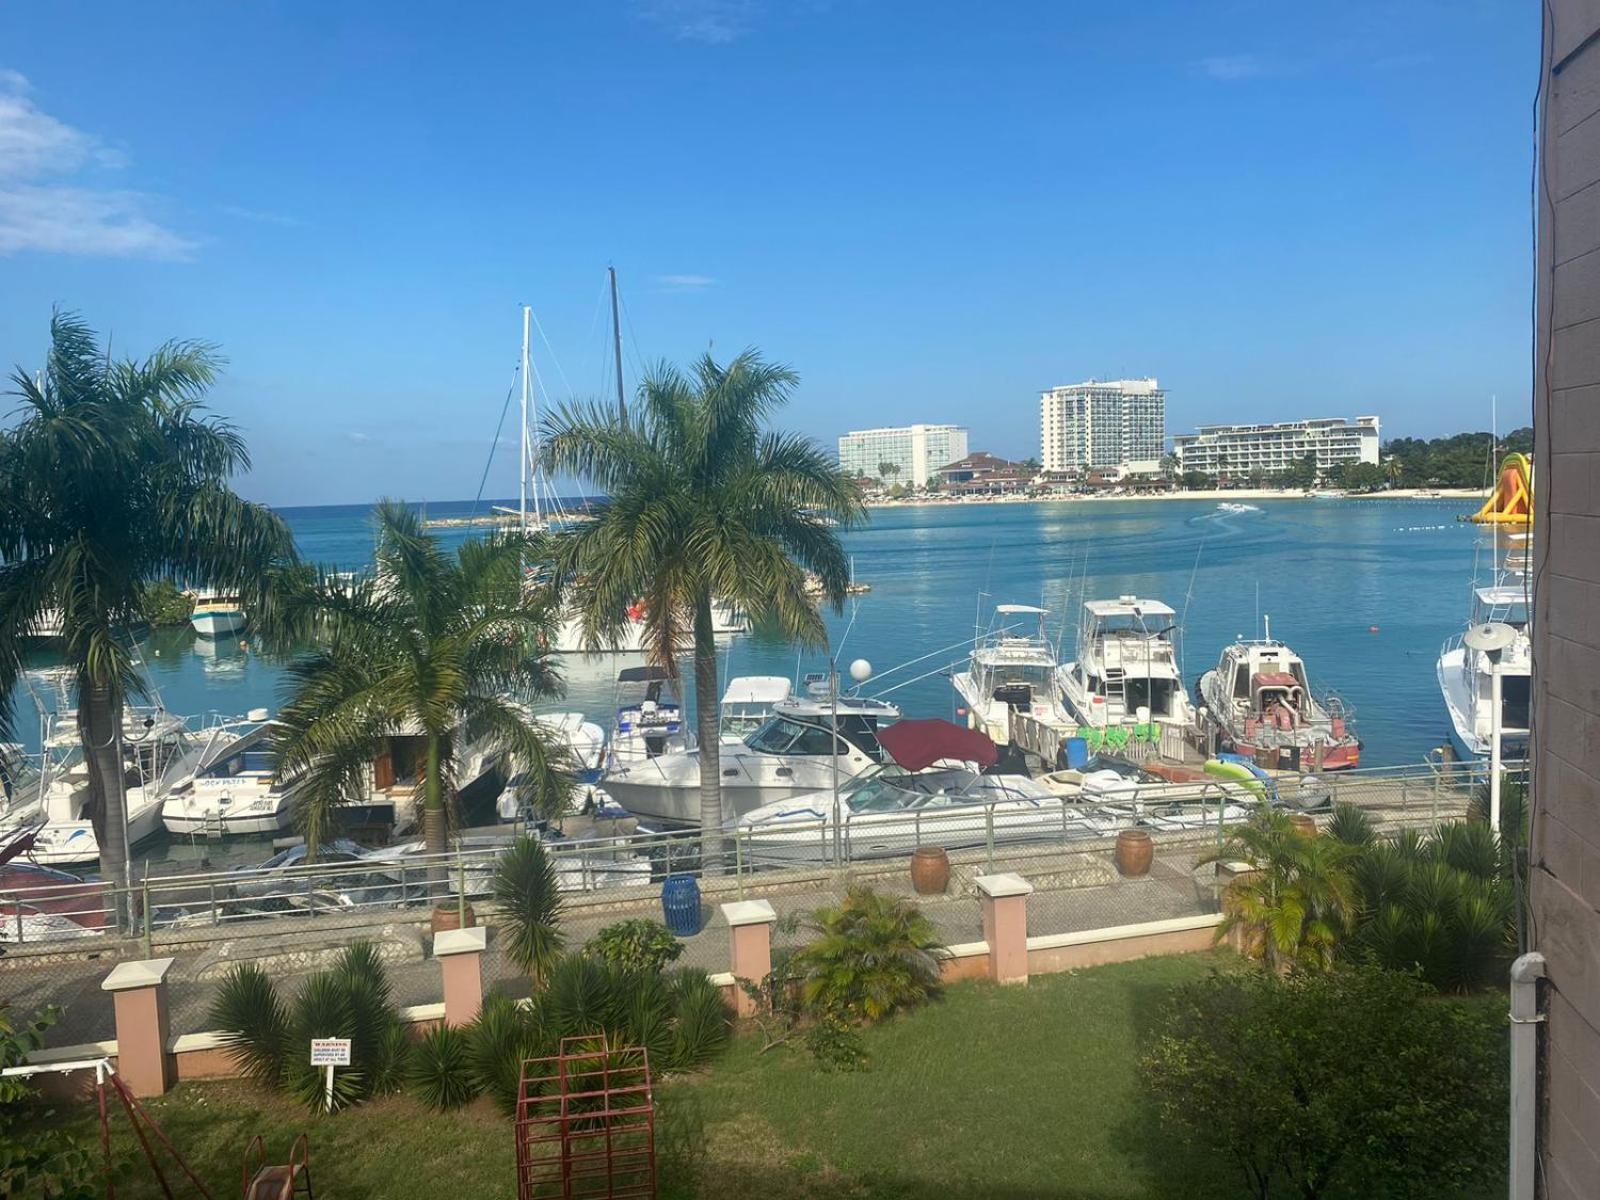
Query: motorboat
{"type": "Point", "coordinates": [473, 861]}
{"type": "Point", "coordinates": [1011, 672]}
{"type": "Point", "coordinates": [40, 903]}
{"type": "Point", "coordinates": [216, 614]}
{"type": "Point", "coordinates": [1126, 677]}
{"type": "Point", "coordinates": [727, 620]}
{"type": "Point", "coordinates": [394, 780]}
{"type": "Point", "coordinates": [235, 791]}
{"type": "Point", "coordinates": [792, 753]}
{"type": "Point", "coordinates": [1260, 704]}
{"type": "Point", "coordinates": [649, 720]}
{"type": "Point", "coordinates": [747, 702]}
{"type": "Point", "coordinates": [1467, 685]}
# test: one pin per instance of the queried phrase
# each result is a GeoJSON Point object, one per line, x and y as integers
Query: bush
{"type": "Point", "coordinates": [874, 955]}
{"type": "Point", "coordinates": [637, 945]}
{"type": "Point", "coordinates": [526, 892]}
{"type": "Point", "coordinates": [504, 1035]}
{"type": "Point", "coordinates": [163, 604]}
{"type": "Point", "coordinates": [35, 1158]}
{"type": "Point", "coordinates": [1357, 1078]}
{"type": "Point", "coordinates": [441, 1071]}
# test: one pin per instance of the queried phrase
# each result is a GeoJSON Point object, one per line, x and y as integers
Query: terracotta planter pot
{"type": "Point", "coordinates": [448, 916]}
{"type": "Point", "coordinates": [1135, 852]}
{"type": "Point", "coordinates": [1304, 824]}
{"type": "Point", "coordinates": [930, 870]}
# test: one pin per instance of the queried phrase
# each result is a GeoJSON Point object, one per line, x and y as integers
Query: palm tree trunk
{"type": "Point", "coordinates": [99, 727]}
{"type": "Point", "coordinates": [433, 822]}
{"type": "Point", "coordinates": [705, 710]}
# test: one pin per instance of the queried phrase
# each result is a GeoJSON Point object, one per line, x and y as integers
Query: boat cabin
{"type": "Point", "coordinates": [1127, 660]}
{"type": "Point", "coordinates": [748, 702]}
{"type": "Point", "coordinates": [804, 726]}
{"type": "Point", "coordinates": [1016, 668]}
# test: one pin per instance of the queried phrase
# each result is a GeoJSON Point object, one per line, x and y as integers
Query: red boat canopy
{"type": "Point", "coordinates": [916, 745]}
{"type": "Point", "coordinates": [1276, 679]}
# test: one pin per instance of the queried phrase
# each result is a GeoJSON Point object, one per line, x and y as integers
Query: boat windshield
{"type": "Point", "coordinates": [781, 735]}
{"type": "Point", "coordinates": [880, 791]}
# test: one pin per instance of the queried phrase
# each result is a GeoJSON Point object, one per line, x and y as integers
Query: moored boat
{"type": "Point", "coordinates": [1011, 670]}
{"type": "Point", "coordinates": [216, 614]}
{"type": "Point", "coordinates": [1126, 676]}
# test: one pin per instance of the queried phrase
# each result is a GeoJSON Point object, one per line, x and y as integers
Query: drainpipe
{"type": "Point", "coordinates": [1525, 1020]}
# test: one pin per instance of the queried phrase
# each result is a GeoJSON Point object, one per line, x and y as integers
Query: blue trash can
{"type": "Point", "coordinates": [1077, 752]}
{"type": "Point", "coordinates": [680, 904]}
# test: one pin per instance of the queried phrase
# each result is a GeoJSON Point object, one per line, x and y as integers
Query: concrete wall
{"type": "Point", "coordinates": [1566, 841]}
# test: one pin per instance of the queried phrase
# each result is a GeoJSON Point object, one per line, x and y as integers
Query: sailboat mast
{"type": "Point", "coordinates": [522, 471]}
{"type": "Point", "coordinates": [616, 344]}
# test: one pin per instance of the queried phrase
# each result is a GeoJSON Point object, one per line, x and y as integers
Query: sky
{"type": "Point", "coordinates": [931, 210]}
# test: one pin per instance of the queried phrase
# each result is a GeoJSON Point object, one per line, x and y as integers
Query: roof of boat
{"type": "Point", "coordinates": [849, 706]}
{"type": "Point", "coordinates": [756, 689]}
{"type": "Point", "coordinates": [642, 675]}
{"type": "Point", "coordinates": [1021, 608]}
{"type": "Point", "coordinates": [1128, 606]}
{"type": "Point", "coordinates": [1502, 593]}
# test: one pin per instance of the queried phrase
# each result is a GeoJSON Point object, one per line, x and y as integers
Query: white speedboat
{"type": "Point", "coordinates": [649, 720]}
{"type": "Point", "coordinates": [475, 860]}
{"type": "Point", "coordinates": [726, 620]}
{"type": "Point", "coordinates": [747, 702]}
{"type": "Point", "coordinates": [1011, 671]}
{"type": "Point", "coordinates": [234, 791]}
{"type": "Point", "coordinates": [216, 614]}
{"type": "Point", "coordinates": [1126, 674]}
{"type": "Point", "coordinates": [1465, 682]}
{"type": "Point", "coordinates": [1259, 701]}
{"type": "Point", "coordinates": [791, 754]}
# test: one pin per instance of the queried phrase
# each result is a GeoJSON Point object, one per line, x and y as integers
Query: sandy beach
{"type": "Point", "coordinates": [1234, 495]}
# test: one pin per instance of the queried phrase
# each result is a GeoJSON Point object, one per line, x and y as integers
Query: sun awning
{"type": "Point", "coordinates": [916, 745]}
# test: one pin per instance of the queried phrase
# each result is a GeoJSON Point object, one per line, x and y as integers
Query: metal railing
{"type": "Point", "coordinates": [380, 886]}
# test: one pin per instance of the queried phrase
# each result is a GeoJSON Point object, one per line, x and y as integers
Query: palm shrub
{"type": "Point", "coordinates": [528, 895]}
{"type": "Point", "coordinates": [440, 1072]}
{"type": "Point", "coordinates": [680, 1017]}
{"type": "Point", "coordinates": [504, 1035]}
{"type": "Point", "coordinates": [873, 956]}
{"type": "Point", "coordinates": [636, 945]}
{"type": "Point", "coordinates": [267, 1038]}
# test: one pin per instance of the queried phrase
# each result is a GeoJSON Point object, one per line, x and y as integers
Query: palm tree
{"type": "Point", "coordinates": [702, 503]}
{"type": "Point", "coordinates": [436, 647]}
{"type": "Point", "coordinates": [114, 480]}
{"type": "Point", "coordinates": [1299, 899]}
{"type": "Point", "coordinates": [1394, 470]}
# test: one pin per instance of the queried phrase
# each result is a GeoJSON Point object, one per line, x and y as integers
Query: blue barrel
{"type": "Point", "coordinates": [1077, 752]}
{"type": "Point", "coordinates": [680, 904]}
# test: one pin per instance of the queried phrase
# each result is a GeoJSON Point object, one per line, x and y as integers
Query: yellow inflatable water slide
{"type": "Point", "coordinates": [1511, 503]}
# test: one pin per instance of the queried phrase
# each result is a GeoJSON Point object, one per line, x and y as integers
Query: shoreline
{"type": "Point", "coordinates": [1218, 494]}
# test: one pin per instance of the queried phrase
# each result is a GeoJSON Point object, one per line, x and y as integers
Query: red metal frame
{"type": "Point", "coordinates": [586, 1124]}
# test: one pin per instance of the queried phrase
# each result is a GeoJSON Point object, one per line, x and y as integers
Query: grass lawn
{"type": "Point", "coordinates": [991, 1092]}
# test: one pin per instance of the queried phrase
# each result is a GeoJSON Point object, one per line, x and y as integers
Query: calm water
{"type": "Point", "coordinates": [1326, 571]}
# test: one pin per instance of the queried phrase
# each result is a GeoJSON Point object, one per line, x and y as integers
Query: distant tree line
{"type": "Point", "coordinates": [1459, 461]}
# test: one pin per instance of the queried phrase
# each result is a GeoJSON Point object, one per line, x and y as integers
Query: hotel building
{"type": "Point", "coordinates": [1241, 449]}
{"type": "Point", "coordinates": [1118, 423]}
{"type": "Point", "coordinates": [915, 451]}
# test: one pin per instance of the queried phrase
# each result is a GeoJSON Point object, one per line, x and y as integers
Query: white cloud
{"type": "Point", "coordinates": [258, 215]}
{"type": "Point", "coordinates": [683, 283]}
{"type": "Point", "coordinates": [715, 22]}
{"type": "Point", "coordinates": [46, 207]}
{"type": "Point", "coordinates": [357, 438]}
{"type": "Point", "coordinates": [1233, 66]}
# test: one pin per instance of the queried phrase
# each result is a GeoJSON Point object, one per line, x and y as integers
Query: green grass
{"type": "Point", "coordinates": [1010, 1093]}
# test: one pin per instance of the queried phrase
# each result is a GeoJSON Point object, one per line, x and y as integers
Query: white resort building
{"type": "Point", "coordinates": [1240, 449]}
{"type": "Point", "coordinates": [908, 454]}
{"type": "Point", "coordinates": [1117, 423]}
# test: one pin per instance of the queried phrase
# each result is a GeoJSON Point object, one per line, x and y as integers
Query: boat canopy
{"type": "Point", "coordinates": [756, 689]}
{"type": "Point", "coordinates": [1128, 606]}
{"type": "Point", "coordinates": [1010, 609]}
{"type": "Point", "coordinates": [642, 675]}
{"type": "Point", "coordinates": [917, 745]}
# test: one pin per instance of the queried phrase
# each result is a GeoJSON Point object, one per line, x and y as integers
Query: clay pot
{"type": "Point", "coordinates": [448, 916]}
{"type": "Point", "coordinates": [930, 870]}
{"type": "Point", "coordinates": [1135, 852]}
{"type": "Point", "coordinates": [1304, 824]}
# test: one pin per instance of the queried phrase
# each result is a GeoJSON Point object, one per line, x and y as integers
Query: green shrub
{"type": "Point", "coordinates": [1356, 1079]}
{"type": "Point", "coordinates": [441, 1072]}
{"type": "Point", "coordinates": [504, 1035]}
{"type": "Point", "coordinates": [36, 1158]}
{"type": "Point", "coordinates": [874, 955]}
{"type": "Point", "coordinates": [636, 945]}
{"type": "Point", "coordinates": [163, 604]}
{"type": "Point", "coordinates": [701, 1028]}
{"type": "Point", "coordinates": [526, 892]}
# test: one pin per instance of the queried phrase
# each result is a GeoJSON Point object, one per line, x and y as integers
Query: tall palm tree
{"type": "Point", "coordinates": [702, 503]}
{"type": "Point", "coordinates": [434, 646]}
{"type": "Point", "coordinates": [115, 478]}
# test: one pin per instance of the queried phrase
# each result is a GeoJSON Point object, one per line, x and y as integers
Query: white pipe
{"type": "Point", "coordinates": [1496, 692]}
{"type": "Point", "coordinates": [1525, 1020]}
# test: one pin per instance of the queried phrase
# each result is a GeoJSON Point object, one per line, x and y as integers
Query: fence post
{"type": "Point", "coordinates": [1005, 925]}
{"type": "Point", "coordinates": [139, 998]}
{"type": "Point", "coordinates": [988, 835]}
{"type": "Point", "coordinates": [738, 862]}
{"type": "Point", "coordinates": [144, 901]}
{"type": "Point", "coordinates": [749, 946]}
{"type": "Point", "coordinates": [460, 955]}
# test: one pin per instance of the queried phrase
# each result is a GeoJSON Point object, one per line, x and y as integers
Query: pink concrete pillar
{"type": "Point", "coordinates": [460, 955]}
{"type": "Point", "coordinates": [1005, 925]}
{"type": "Point", "coordinates": [139, 996]}
{"type": "Point", "coordinates": [749, 945]}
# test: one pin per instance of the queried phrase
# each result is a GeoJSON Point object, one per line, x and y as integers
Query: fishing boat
{"type": "Point", "coordinates": [1259, 703]}
{"type": "Point", "coordinates": [792, 753]}
{"type": "Point", "coordinates": [747, 702]}
{"type": "Point", "coordinates": [235, 791]}
{"type": "Point", "coordinates": [1126, 682]}
{"type": "Point", "coordinates": [1466, 684]}
{"type": "Point", "coordinates": [1011, 671]}
{"type": "Point", "coordinates": [216, 614]}
{"type": "Point", "coordinates": [649, 717]}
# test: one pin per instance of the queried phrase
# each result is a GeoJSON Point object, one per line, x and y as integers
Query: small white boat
{"type": "Point", "coordinates": [649, 720]}
{"type": "Point", "coordinates": [726, 620]}
{"type": "Point", "coordinates": [1010, 671]}
{"type": "Point", "coordinates": [1126, 674]}
{"type": "Point", "coordinates": [216, 614]}
{"type": "Point", "coordinates": [747, 702]}
{"type": "Point", "coordinates": [1466, 684]}
{"type": "Point", "coordinates": [234, 792]}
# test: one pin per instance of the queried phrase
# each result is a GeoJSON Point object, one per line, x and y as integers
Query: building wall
{"type": "Point", "coordinates": [917, 450]}
{"type": "Point", "coordinates": [1274, 447]}
{"type": "Point", "coordinates": [1112, 423]}
{"type": "Point", "coordinates": [1565, 876]}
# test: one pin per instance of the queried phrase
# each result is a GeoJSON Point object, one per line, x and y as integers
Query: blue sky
{"type": "Point", "coordinates": [931, 210]}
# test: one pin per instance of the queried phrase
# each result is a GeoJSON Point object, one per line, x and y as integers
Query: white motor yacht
{"type": "Point", "coordinates": [216, 614]}
{"type": "Point", "coordinates": [1466, 685]}
{"type": "Point", "coordinates": [727, 619]}
{"type": "Point", "coordinates": [747, 702]}
{"type": "Point", "coordinates": [235, 791]}
{"type": "Point", "coordinates": [1126, 674]}
{"type": "Point", "coordinates": [1011, 671]}
{"type": "Point", "coordinates": [791, 754]}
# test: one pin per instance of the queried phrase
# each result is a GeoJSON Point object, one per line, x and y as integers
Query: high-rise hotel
{"type": "Point", "coordinates": [908, 454]}
{"type": "Point", "coordinates": [1109, 424]}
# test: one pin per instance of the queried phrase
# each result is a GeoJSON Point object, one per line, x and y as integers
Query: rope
{"type": "Point", "coordinates": [494, 445]}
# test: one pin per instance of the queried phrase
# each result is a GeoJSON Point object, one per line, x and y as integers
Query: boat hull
{"type": "Point", "coordinates": [215, 623]}
{"type": "Point", "coordinates": [679, 806]}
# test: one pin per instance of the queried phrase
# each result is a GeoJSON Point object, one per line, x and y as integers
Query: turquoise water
{"type": "Point", "coordinates": [1326, 571]}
